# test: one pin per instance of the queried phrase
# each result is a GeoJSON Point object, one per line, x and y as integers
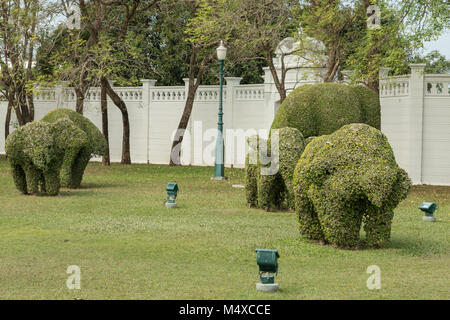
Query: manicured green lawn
{"type": "Point", "coordinates": [128, 246]}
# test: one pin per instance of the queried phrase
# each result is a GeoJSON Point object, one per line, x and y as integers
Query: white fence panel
{"type": "Point", "coordinates": [415, 116]}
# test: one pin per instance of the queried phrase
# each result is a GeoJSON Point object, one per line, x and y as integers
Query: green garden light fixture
{"type": "Point", "coordinates": [172, 191]}
{"type": "Point", "coordinates": [267, 260]}
{"type": "Point", "coordinates": [428, 208]}
{"type": "Point", "coordinates": [219, 168]}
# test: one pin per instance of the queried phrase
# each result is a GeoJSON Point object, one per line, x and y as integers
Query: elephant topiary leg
{"type": "Point", "coordinates": [33, 176]}
{"type": "Point", "coordinates": [251, 184]}
{"type": "Point", "coordinates": [67, 166]}
{"type": "Point", "coordinates": [338, 229]}
{"type": "Point", "coordinates": [289, 195]}
{"type": "Point", "coordinates": [340, 221]}
{"type": "Point", "coordinates": [19, 178]}
{"type": "Point", "coordinates": [66, 170]}
{"type": "Point", "coordinates": [377, 224]}
{"type": "Point", "coordinates": [270, 189]}
{"type": "Point", "coordinates": [308, 221]}
{"type": "Point", "coordinates": [79, 165]}
{"type": "Point", "coordinates": [42, 187]}
{"type": "Point", "coordinates": [52, 183]}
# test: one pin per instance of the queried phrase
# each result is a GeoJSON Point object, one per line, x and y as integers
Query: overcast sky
{"type": "Point", "coordinates": [442, 45]}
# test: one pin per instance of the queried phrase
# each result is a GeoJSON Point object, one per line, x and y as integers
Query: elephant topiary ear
{"type": "Point", "coordinates": [68, 136]}
{"type": "Point", "coordinates": [378, 181]}
{"type": "Point", "coordinates": [400, 189]}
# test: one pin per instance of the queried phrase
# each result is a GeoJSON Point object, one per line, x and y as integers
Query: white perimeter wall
{"type": "Point", "coordinates": [154, 113]}
{"type": "Point", "coordinates": [415, 117]}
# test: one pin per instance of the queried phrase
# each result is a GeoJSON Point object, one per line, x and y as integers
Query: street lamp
{"type": "Point", "coordinates": [219, 170]}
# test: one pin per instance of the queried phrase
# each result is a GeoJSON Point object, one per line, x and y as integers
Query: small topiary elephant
{"type": "Point", "coordinates": [347, 179]}
{"type": "Point", "coordinates": [36, 153]}
{"type": "Point", "coordinates": [273, 189]}
{"type": "Point", "coordinates": [76, 159]}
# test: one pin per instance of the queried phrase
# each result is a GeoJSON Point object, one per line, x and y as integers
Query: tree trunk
{"type": "Point", "coordinates": [8, 120]}
{"type": "Point", "coordinates": [21, 118]}
{"type": "Point", "coordinates": [175, 151]}
{"type": "Point", "coordinates": [333, 63]}
{"type": "Point", "coordinates": [22, 101]}
{"type": "Point", "coordinates": [126, 159]}
{"type": "Point", "coordinates": [373, 81]}
{"type": "Point", "coordinates": [374, 85]}
{"type": "Point", "coordinates": [24, 113]}
{"type": "Point", "coordinates": [30, 105]}
{"type": "Point", "coordinates": [79, 100]}
{"type": "Point", "coordinates": [278, 84]}
{"type": "Point", "coordinates": [104, 106]}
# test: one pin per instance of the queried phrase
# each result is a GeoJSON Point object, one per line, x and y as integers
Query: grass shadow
{"type": "Point", "coordinates": [76, 193]}
{"type": "Point", "coordinates": [417, 247]}
{"type": "Point", "coordinates": [99, 185]}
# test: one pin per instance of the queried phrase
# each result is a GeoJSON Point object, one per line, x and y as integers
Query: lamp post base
{"type": "Point", "coordinates": [428, 219]}
{"type": "Point", "coordinates": [219, 178]}
{"type": "Point", "coordinates": [170, 205]}
{"type": "Point", "coordinates": [267, 287]}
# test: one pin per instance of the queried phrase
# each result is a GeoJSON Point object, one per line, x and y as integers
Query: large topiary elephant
{"type": "Point", "coordinates": [36, 153]}
{"type": "Point", "coordinates": [323, 108]}
{"type": "Point", "coordinates": [76, 159]}
{"type": "Point", "coordinates": [347, 179]}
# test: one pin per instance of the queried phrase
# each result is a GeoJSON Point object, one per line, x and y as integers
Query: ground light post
{"type": "Point", "coordinates": [219, 169]}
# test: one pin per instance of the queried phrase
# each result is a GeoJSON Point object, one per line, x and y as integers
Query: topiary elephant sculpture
{"type": "Point", "coordinates": [270, 168]}
{"type": "Point", "coordinates": [76, 159]}
{"type": "Point", "coordinates": [36, 153]}
{"type": "Point", "coordinates": [323, 108]}
{"type": "Point", "coordinates": [347, 179]}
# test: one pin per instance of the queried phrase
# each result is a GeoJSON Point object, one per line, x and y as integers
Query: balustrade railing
{"type": "Point", "coordinates": [437, 85]}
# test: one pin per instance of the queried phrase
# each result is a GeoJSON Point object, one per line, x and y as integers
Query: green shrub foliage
{"type": "Point", "coordinates": [273, 191]}
{"type": "Point", "coordinates": [252, 172]}
{"type": "Point", "coordinates": [309, 139]}
{"type": "Point", "coordinates": [36, 154]}
{"type": "Point", "coordinates": [76, 155]}
{"type": "Point", "coordinates": [323, 108]}
{"type": "Point", "coordinates": [369, 105]}
{"type": "Point", "coordinates": [347, 179]}
{"type": "Point", "coordinates": [291, 146]}
{"type": "Point", "coordinates": [270, 191]}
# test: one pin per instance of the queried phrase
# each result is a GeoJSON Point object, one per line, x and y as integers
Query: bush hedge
{"type": "Point", "coordinates": [323, 108]}
{"type": "Point", "coordinates": [77, 157]}
{"type": "Point", "coordinates": [291, 146]}
{"type": "Point", "coordinates": [347, 179]}
{"type": "Point", "coordinates": [309, 139]}
{"type": "Point", "coordinates": [369, 105]}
